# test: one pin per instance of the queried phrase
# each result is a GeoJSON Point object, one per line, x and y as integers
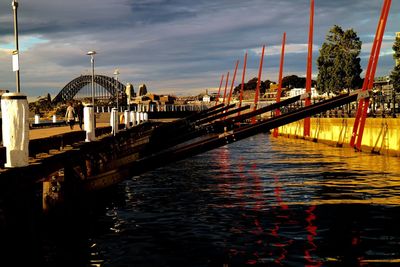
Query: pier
{"type": "Point", "coordinates": [206, 180]}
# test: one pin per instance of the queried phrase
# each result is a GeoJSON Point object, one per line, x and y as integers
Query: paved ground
{"type": "Point", "coordinates": [46, 132]}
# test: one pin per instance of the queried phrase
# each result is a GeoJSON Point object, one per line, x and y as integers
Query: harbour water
{"type": "Point", "coordinates": [258, 202]}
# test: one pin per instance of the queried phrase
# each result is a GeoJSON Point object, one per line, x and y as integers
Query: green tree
{"type": "Point", "coordinates": [294, 81]}
{"type": "Point", "coordinates": [339, 61]}
{"type": "Point", "coordinates": [395, 75]}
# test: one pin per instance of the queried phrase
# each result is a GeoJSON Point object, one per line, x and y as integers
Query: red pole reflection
{"type": "Point", "coordinates": [312, 232]}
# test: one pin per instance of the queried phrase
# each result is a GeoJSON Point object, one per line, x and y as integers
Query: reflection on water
{"type": "Point", "coordinates": [259, 202]}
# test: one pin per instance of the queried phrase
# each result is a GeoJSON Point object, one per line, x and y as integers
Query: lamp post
{"type": "Point", "coordinates": [16, 51]}
{"type": "Point", "coordinates": [91, 54]}
{"type": "Point", "coordinates": [116, 73]}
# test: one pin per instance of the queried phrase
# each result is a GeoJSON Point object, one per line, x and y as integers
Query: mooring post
{"type": "Point", "coordinates": [133, 118]}
{"type": "Point", "coordinates": [15, 129]}
{"type": "Point", "coordinates": [54, 118]}
{"type": "Point", "coordinates": [137, 118]}
{"type": "Point", "coordinates": [127, 119]}
{"type": "Point", "coordinates": [114, 121]}
{"type": "Point", "coordinates": [37, 118]}
{"type": "Point", "coordinates": [89, 124]}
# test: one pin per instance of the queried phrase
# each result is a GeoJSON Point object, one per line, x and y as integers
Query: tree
{"type": "Point", "coordinates": [339, 61]}
{"type": "Point", "coordinates": [252, 85]}
{"type": "Point", "coordinates": [395, 75]}
{"type": "Point", "coordinates": [294, 81]}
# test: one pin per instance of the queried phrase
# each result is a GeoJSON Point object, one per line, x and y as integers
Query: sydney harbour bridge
{"type": "Point", "coordinates": [105, 89]}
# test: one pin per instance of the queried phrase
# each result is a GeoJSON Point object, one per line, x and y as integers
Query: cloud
{"type": "Point", "coordinates": [178, 45]}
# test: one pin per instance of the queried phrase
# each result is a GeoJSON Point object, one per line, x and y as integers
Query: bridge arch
{"type": "Point", "coordinates": [73, 87]}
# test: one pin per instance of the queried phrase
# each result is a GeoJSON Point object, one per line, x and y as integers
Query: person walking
{"type": "Point", "coordinates": [79, 111]}
{"type": "Point", "coordinates": [70, 116]}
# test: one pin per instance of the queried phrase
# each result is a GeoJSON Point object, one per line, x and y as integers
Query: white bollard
{"type": "Point", "coordinates": [15, 112]}
{"type": "Point", "coordinates": [89, 123]}
{"type": "Point", "coordinates": [137, 118]}
{"type": "Point", "coordinates": [127, 119]}
{"type": "Point", "coordinates": [133, 118]}
{"type": "Point", "coordinates": [54, 118]}
{"type": "Point", "coordinates": [37, 118]}
{"type": "Point", "coordinates": [145, 116]}
{"type": "Point", "coordinates": [114, 121]}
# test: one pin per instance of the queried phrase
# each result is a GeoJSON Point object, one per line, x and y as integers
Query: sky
{"type": "Point", "coordinates": [179, 47]}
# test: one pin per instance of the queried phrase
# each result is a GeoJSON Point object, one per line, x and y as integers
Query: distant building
{"type": "Point", "coordinates": [383, 84]}
{"type": "Point", "coordinates": [206, 97]}
{"type": "Point", "coordinates": [142, 90]}
{"type": "Point", "coordinates": [299, 91]}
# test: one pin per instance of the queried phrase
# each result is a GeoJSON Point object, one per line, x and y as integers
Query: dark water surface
{"type": "Point", "coordinates": [259, 202]}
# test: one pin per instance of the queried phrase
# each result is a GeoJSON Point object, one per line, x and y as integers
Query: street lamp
{"type": "Point", "coordinates": [91, 54]}
{"type": "Point", "coordinates": [116, 73]}
{"type": "Point", "coordinates": [16, 51]}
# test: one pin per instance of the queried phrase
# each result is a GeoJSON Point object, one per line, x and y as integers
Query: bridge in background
{"type": "Point", "coordinates": [105, 88]}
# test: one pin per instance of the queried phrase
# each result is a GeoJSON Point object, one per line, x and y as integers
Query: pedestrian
{"type": "Point", "coordinates": [79, 111]}
{"type": "Point", "coordinates": [70, 116]}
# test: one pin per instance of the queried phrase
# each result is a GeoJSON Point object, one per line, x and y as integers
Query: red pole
{"type": "Point", "coordinates": [226, 86]}
{"type": "Point", "coordinates": [381, 31]}
{"type": "Point", "coordinates": [243, 77]}
{"type": "Point", "coordinates": [219, 90]}
{"type": "Point", "coordinates": [258, 83]}
{"type": "Point", "coordinates": [309, 68]}
{"type": "Point", "coordinates": [279, 92]}
{"type": "Point", "coordinates": [233, 81]}
{"type": "Point", "coordinates": [359, 122]}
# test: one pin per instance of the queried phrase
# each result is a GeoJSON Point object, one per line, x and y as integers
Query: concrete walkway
{"type": "Point", "coordinates": [47, 132]}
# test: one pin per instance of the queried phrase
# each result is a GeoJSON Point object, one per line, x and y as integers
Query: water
{"type": "Point", "coordinates": [259, 202]}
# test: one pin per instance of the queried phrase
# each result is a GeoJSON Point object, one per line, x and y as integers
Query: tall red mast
{"type": "Point", "coordinates": [242, 86]}
{"type": "Point", "coordinates": [279, 92]}
{"type": "Point", "coordinates": [219, 90]}
{"type": "Point", "coordinates": [226, 86]}
{"type": "Point", "coordinates": [309, 68]}
{"type": "Point", "coordinates": [233, 82]}
{"type": "Point", "coordinates": [363, 104]}
{"type": "Point", "coordinates": [258, 83]}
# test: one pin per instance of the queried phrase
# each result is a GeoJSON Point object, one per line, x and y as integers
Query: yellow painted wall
{"type": "Point", "coordinates": [339, 130]}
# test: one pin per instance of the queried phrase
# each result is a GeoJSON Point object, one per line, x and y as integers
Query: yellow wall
{"type": "Point", "coordinates": [338, 131]}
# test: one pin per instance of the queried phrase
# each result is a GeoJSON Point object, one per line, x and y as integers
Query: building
{"type": "Point", "coordinates": [299, 91]}
{"type": "Point", "coordinates": [206, 97]}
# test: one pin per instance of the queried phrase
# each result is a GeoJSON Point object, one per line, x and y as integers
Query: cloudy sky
{"type": "Point", "coordinates": [175, 46]}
